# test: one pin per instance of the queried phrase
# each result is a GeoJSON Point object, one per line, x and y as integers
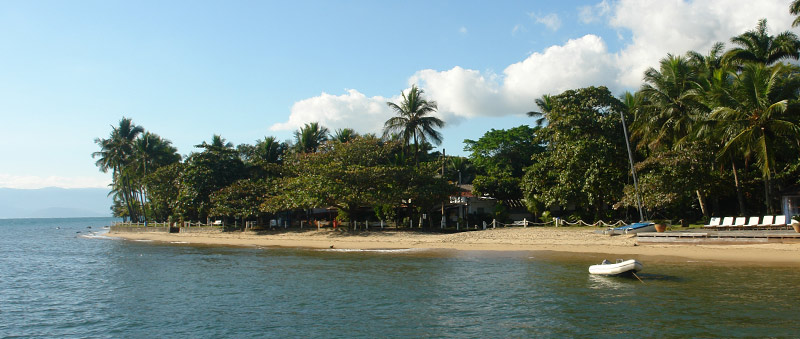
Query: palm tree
{"type": "Point", "coordinates": [545, 104]}
{"type": "Point", "coordinates": [151, 152]}
{"type": "Point", "coordinates": [758, 118]}
{"type": "Point", "coordinates": [217, 143]}
{"type": "Point", "coordinates": [344, 134]}
{"type": "Point", "coordinates": [794, 8]}
{"type": "Point", "coordinates": [670, 104]}
{"type": "Point", "coordinates": [413, 120]}
{"type": "Point", "coordinates": [758, 46]}
{"type": "Point", "coordinates": [116, 155]}
{"type": "Point", "coordinates": [270, 150]}
{"type": "Point", "coordinates": [309, 137]}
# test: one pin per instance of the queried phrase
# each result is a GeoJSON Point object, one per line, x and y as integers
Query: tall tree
{"type": "Point", "coordinates": [310, 137]}
{"type": "Point", "coordinates": [670, 104]}
{"type": "Point", "coordinates": [758, 119]}
{"type": "Point", "coordinates": [151, 152]}
{"type": "Point", "coordinates": [344, 134]}
{"type": "Point", "coordinates": [583, 163]}
{"type": "Point", "coordinates": [545, 104]}
{"type": "Point", "coordinates": [794, 8]}
{"type": "Point", "coordinates": [414, 120]}
{"type": "Point", "coordinates": [116, 154]}
{"type": "Point", "coordinates": [758, 46]}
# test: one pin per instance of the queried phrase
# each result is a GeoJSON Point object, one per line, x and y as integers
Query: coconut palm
{"type": "Point", "coordinates": [310, 137]}
{"type": "Point", "coordinates": [758, 46]}
{"type": "Point", "coordinates": [270, 149]}
{"type": "Point", "coordinates": [116, 155]}
{"type": "Point", "coordinates": [670, 104]}
{"type": "Point", "coordinates": [545, 104]}
{"type": "Point", "coordinates": [344, 134]}
{"type": "Point", "coordinates": [151, 152]}
{"type": "Point", "coordinates": [413, 120]}
{"type": "Point", "coordinates": [794, 8]}
{"type": "Point", "coordinates": [758, 118]}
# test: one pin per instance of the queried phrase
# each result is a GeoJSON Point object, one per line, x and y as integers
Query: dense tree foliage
{"type": "Point", "coordinates": [500, 157]}
{"type": "Point", "coordinates": [712, 134]}
{"type": "Point", "coordinates": [584, 157]}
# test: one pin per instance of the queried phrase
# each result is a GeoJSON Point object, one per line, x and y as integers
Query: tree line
{"type": "Point", "coordinates": [715, 133]}
{"type": "Point", "coordinates": [360, 175]}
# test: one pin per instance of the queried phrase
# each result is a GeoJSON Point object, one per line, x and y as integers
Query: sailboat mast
{"type": "Point", "coordinates": [633, 170]}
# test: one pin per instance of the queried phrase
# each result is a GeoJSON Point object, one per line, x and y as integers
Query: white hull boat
{"type": "Point", "coordinates": [620, 267]}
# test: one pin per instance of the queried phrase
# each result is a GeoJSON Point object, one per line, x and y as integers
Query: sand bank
{"type": "Point", "coordinates": [573, 240]}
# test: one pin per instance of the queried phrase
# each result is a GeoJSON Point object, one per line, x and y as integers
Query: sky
{"type": "Point", "coordinates": [187, 70]}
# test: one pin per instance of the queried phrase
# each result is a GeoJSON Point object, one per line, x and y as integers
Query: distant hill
{"type": "Point", "coordinates": [53, 202]}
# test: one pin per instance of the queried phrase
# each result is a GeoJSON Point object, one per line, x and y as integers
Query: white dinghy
{"type": "Point", "coordinates": [620, 267]}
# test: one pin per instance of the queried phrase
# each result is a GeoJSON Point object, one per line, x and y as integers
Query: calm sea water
{"type": "Point", "coordinates": [56, 283]}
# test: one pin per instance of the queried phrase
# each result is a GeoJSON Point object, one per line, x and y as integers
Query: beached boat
{"type": "Point", "coordinates": [620, 267]}
{"type": "Point", "coordinates": [633, 228]}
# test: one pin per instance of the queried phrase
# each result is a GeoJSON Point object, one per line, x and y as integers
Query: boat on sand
{"type": "Point", "coordinates": [617, 268]}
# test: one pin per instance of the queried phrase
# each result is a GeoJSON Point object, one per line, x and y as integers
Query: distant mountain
{"type": "Point", "coordinates": [53, 202]}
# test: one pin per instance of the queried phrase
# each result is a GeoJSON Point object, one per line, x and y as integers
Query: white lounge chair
{"type": "Point", "coordinates": [751, 223]}
{"type": "Point", "coordinates": [727, 222]}
{"type": "Point", "coordinates": [714, 222]}
{"type": "Point", "coordinates": [740, 221]}
{"type": "Point", "coordinates": [780, 221]}
{"type": "Point", "coordinates": [767, 221]}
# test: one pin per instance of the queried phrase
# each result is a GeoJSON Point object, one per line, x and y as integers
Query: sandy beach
{"type": "Point", "coordinates": [572, 240]}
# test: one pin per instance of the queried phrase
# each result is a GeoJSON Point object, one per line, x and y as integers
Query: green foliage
{"type": "Point", "coordinates": [414, 120]}
{"type": "Point", "coordinates": [241, 199]}
{"type": "Point", "coordinates": [500, 157]}
{"type": "Point", "coordinates": [585, 154]}
{"type": "Point", "coordinates": [205, 173]}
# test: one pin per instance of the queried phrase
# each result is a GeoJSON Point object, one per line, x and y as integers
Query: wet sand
{"type": "Point", "coordinates": [564, 239]}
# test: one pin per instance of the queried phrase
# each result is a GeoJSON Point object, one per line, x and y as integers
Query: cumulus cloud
{"type": "Point", "coordinates": [352, 110]}
{"type": "Point", "coordinates": [655, 28]}
{"type": "Point", "coordinates": [578, 63]}
{"type": "Point", "coordinates": [33, 182]}
{"type": "Point", "coordinates": [661, 27]}
{"type": "Point", "coordinates": [550, 21]}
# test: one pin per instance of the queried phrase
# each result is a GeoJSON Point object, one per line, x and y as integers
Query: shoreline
{"type": "Point", "coordinates": [564, 240]}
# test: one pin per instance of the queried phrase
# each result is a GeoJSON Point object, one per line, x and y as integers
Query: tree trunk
{"type": "Point", "coordinates": [739, 196]}
{"type": "Point", "coordinates": [702, 203]}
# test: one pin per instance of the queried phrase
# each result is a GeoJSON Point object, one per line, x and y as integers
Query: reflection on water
{"type": "Point", "coordinates": [55, 283]}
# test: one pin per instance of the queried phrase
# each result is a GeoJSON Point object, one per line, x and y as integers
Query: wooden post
{"type": "Point", "coordinates": [524, 222]}
{"type": "Point", "coordinates": [484, 225]}
{"type": "Point", "coordinates": [494, 223]}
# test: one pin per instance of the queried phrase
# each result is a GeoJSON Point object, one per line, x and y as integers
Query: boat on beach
{"type": "Point", "coordinates": [617, 268]}
{"type": "Point", "coordinates": [632, 228]}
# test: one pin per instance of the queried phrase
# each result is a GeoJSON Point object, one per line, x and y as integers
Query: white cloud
{"type": "Point", "coordinates": [352, 110]}
{"type": "Point", "coordinates": [550, 21]}
{"type": "Point", "coordinates": [655, 27]}
{"type": "Point", "coordinates": [462, 30]}
{"type": "Point", "coordinates": [578, 63]}
{"type": "Point", "coordinates": [462, 92]}
{"type": "Point", "coordinates": [661, 27]}
{"type": "Point", "coordinates": [596, 13]}
{"type": "Point", "coordinates": [33, 182]}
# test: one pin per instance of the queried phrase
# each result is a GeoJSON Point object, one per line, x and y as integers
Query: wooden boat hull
{"type": "Point", "coordinates": [624, 267]}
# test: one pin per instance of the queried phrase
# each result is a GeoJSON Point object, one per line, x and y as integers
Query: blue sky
{"type": "Point", "coordinates": [189, 69]}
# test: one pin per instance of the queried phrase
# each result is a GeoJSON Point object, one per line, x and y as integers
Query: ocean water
{"type": "Point", "coordinates": [58, 283]}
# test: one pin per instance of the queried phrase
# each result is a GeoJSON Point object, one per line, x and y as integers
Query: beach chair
{"type": "Point", "coordinates": [780, 222]}
{"type": "Point", "coordinates": [751, 223]}
{"type": "Point", "coordinates": [714, 222]}
{"type": "Point", "coordinates": [727, 222]}
{"type": "Point", "coordinates": [739, 223]}
{"type": "Point", "coordinates": [766, 222]}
